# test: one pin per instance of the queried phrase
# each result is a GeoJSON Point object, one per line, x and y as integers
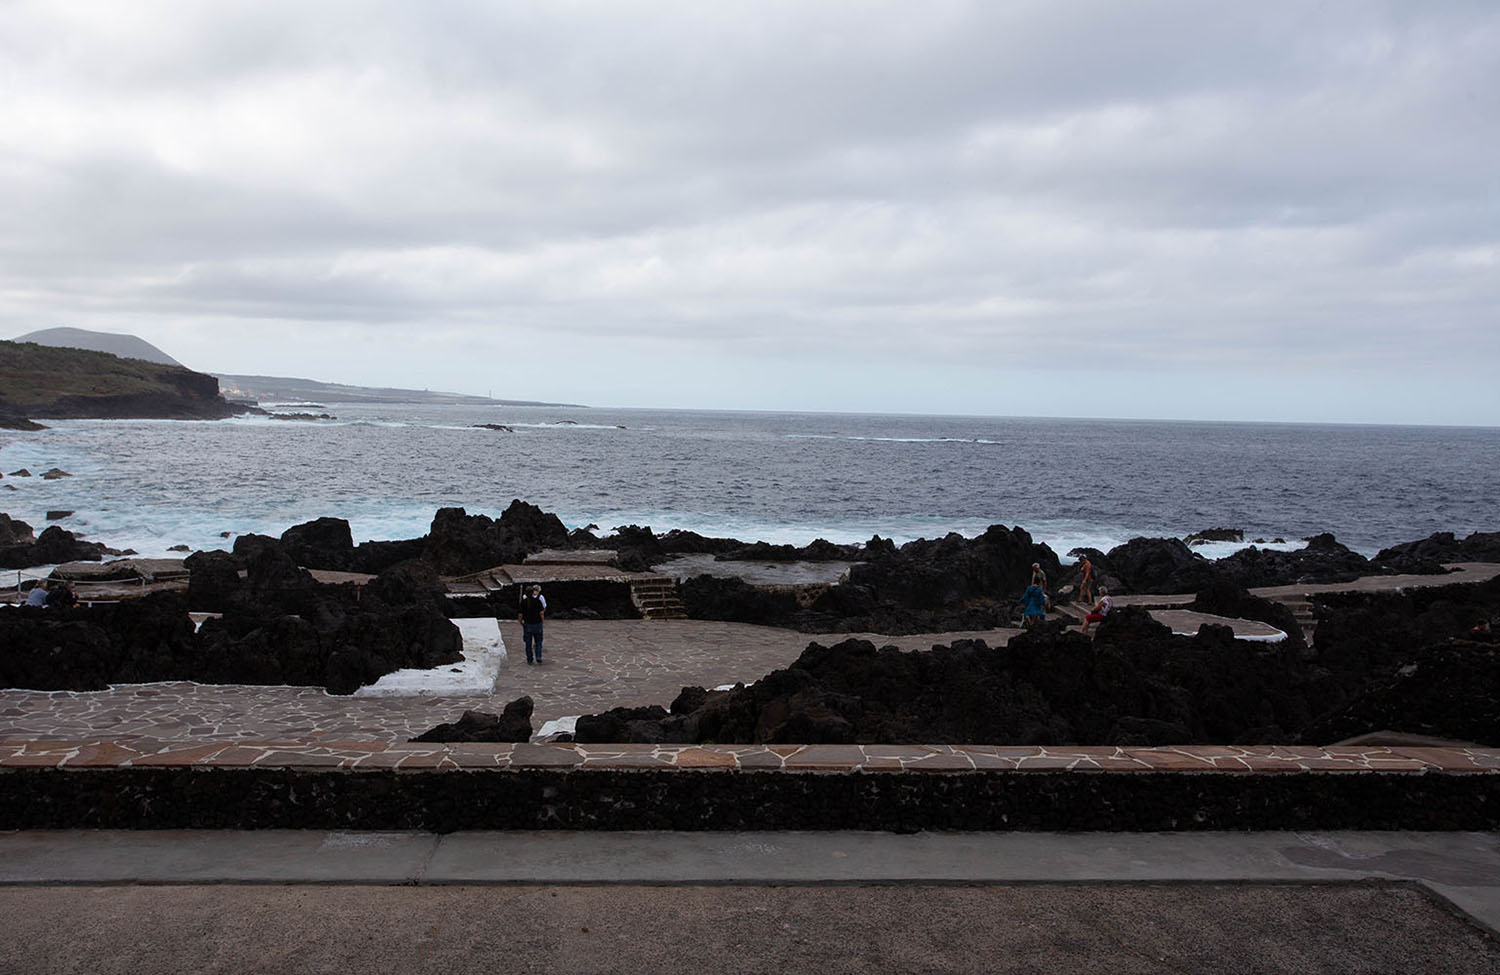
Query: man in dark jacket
{"type": "Point", "coordinates": [533, 614]}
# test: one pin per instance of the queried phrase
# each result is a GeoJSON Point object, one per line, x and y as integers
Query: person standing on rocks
{"type": "Point", "coordinates": [1039, 579]}
{"type": "Point", "coordinates": [1085, 579]}
{"type": "Point", "coordinates": [533, 614]}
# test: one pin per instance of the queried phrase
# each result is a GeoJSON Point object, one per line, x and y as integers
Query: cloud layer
{"type": "Point", "coordinates": [687, 203]}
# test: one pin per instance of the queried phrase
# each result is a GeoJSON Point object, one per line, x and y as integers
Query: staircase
{"type": "Point", "coordinates": [656, 598]}
{"type": "Point", "coordinates": [1070, 613]}
{"type": "Point", "coordinates": [1302, 609]}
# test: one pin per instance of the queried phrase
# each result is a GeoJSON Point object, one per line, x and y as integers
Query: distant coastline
{"type": "Point", "coordinates": [284, 388]}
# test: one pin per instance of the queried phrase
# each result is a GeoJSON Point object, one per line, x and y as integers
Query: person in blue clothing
{"type": "Point", "coordinates": [1033, 606]}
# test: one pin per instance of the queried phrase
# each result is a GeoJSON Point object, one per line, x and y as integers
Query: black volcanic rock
{"type": "Point", "coordinates": [1449, 690]}
{"type": "Point", "coordinates": [375, 557]}
{"type": "Point", "coordinates": [1372, 633]}
{"type": "Point", "coordinates": [946, 576]}
{"type": "Point", "coordinates": [324, 543]}
{"type": "Point", "coordinates": [1157, 565]}
{"type": "Point", "coordinates": [735, 601]}
{"type": "Point", "coordinates": [636, 547]}
{"type": "Point", "coordinates": [1215, 535]}
{"type": "Point", "coordinates": [622, 724]}
{"type": "Point", "coordinates": [1137, 684]}
{"type": "Point", "coordinates": [213, 577]}
{"type": "Point", "coordinates": [459, 542]}
{"type": "Point", "coordinates": [514, 724]}
{"type": "Point", "coordinates": [1406, 662]}
{"type": "Point", "coordinates": [280, 625]}
{"type": "Point", "coordinates": [247, 546]}
{"type": "Point", "coordinates": [951, 583]}
{"type": "Point", "coordinates": [53, 546]}
{"type": "Point", "coordinates": [679, 542]}
{"type": "Point", "coordinates": [1324, 560]}
{"type": "Point", "coordinates": [86, 649]}
{"type": "Point", "coordinates": [532, 527]}
{"type": "Point", "coordinates": [14, 531]}
{"type": "Point", "coordinates": [1427, 555]}
{"type": "Point", "coordinates": [818, 550]}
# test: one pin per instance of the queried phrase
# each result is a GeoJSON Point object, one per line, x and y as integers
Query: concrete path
{"type": "Point", "coordinates": [749, 902]}
{"type": "Point", "coordinates": [1460, 572]}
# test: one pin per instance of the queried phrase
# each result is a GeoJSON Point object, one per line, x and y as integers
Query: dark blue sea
{"type": "Point", "coordinates": [780, 477]}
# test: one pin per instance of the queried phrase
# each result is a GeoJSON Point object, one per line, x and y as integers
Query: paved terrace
{"type": "Point", "coordinates": [1457, 572]}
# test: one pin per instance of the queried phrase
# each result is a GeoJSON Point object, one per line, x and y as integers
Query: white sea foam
{"type": "Point", "coordinates": [1218, 550]}
{"type": "Point", "coordinates": [835, 436]}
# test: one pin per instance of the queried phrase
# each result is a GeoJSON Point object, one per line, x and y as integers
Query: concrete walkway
{"type": "Point", "coordinates": [749, 902]}
{"type": "Point", "coordinates": [1459, 572]}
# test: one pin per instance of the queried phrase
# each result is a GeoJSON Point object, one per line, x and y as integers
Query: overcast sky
{"type": "Point", "coordinates": [1249, 211]}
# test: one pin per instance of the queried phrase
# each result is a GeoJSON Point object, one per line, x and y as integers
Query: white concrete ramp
{"type": "Point", "coordinates": [484, 652]}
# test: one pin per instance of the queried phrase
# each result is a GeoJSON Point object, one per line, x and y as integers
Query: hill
{"type": "Point", "coordinates": [115, 343]}
{"type": "Point", "coordinates": [286, 390]}
{"type": "Point", "coordinates": [255, 387]}
{"type": "Point", "coordinates": [64, 383]}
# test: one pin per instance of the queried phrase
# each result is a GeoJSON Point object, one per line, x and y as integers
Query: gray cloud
{"type": "Point", "coordinates": [1102, 186]}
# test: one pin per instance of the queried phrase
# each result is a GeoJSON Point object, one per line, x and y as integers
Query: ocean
{"type": "Point", "coordinates": [778, 477]}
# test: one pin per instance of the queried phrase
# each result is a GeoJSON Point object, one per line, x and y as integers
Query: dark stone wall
{"type": "Point", "coordinates": [580, 599]}
{"type": "Point", "coordinates": [621, 799]}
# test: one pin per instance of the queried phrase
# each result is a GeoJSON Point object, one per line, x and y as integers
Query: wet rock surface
{"type": "Point", "coordinates": [53, 546]}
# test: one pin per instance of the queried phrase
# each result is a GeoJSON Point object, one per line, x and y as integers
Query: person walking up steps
{"type": "Point", "coordinates": [533, 614]}
{"type": "Point", "coordinates": [1033, 606]}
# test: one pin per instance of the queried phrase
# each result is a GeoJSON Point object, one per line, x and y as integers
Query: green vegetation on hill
{"type": "Point", "coordinates": [46, 381]}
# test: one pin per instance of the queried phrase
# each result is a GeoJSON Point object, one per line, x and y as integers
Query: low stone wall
{"type": "Point", "coordinates": [141, 784]}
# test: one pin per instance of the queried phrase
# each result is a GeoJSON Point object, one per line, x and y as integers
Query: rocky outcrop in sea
{"type": "Point", "coordinates": [20, 549]}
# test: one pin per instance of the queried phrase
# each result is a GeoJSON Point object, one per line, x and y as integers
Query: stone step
{"type": "Point", "coordinates": [657, 599]}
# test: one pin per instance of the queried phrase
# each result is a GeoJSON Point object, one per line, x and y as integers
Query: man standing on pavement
{"type": "Point", "coordinates": [533, 614]}
{"type": "Point", "coordinates": [1085, 580]}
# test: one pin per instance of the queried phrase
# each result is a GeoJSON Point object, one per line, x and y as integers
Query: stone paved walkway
{"type": "Point", "coordinates": [1461, 572]}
